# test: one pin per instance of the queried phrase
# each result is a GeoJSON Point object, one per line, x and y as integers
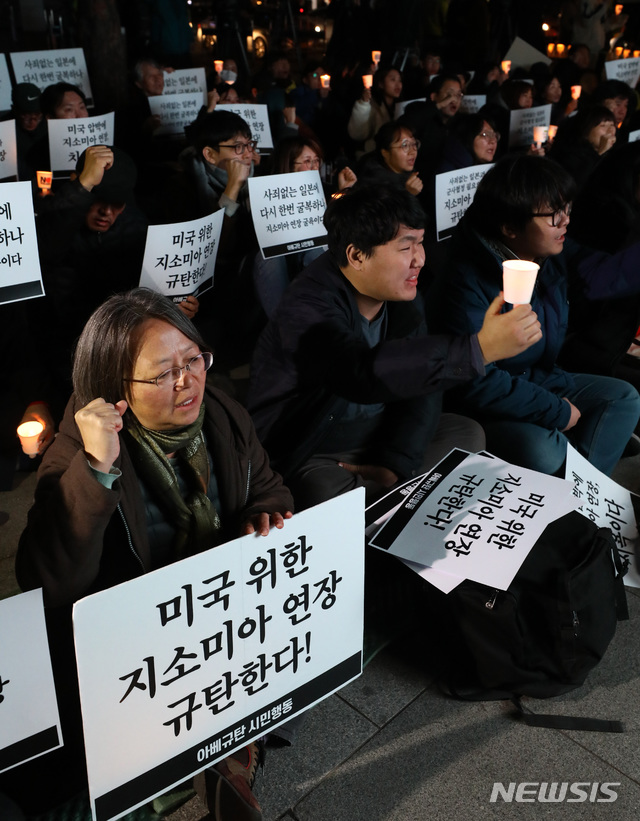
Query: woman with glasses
{"type": "Point", "coordinates": [271, 277]}
{"type": "Point", "coordinates": [151, 465]}
{"type": "Point", "coordinates": [473, 140]}
{"type": "Point", "coordinates": [528, 405]}
{"type": "Point", "coordinates": [394, 159]}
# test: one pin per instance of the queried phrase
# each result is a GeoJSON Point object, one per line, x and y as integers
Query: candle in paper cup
{"type": "Point", "coordinates": [217, 64]}
{"type": "Point", "coordinates": [553, 130]}
{"type": "Point", "coordinates": [325, 79]}
{"type": "Point", "coordinates": [375, 57]}
{"type": "Point", "coordinates": [619, 51]}
{"type": "Point", "coordinates": [518, 279]}
{"type": "Point", "coordinates": [619, 8]}
{"type": "Point", "coordinates": [559, 49]}
{"type": "Point", "coordinates": [576, 91]}
{"type": "Point", "coordinates": [44, 179]}
{"type": "Point", "coordinates": [551, 47]}
{"type": "Point", "coordinates": [29, 433]}
{"type": "Point", "coordinates": [367, 79]}
{"type": "Point", "coordinates": [626, 53]}
{"type": "Point", "coordinates": [506, 66]}
{"type": "Point", "coordinates": [540, 133]}
{"type": "Point", "coordinates": [636, 53]}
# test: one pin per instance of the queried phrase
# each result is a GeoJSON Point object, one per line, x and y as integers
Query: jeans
{"type": "Point", "coordinates": [609, 409]}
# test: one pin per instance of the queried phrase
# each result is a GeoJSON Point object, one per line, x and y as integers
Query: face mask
{"type": "Point", "coordinates": [228, 76]}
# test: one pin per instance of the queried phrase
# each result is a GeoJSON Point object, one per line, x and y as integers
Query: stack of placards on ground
{"type": "Point", "coordinates": [473, 516]}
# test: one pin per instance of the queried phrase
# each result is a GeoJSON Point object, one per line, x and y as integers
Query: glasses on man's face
{"type": "Point", "coordinates": [240, 148]}
{"type": "Point", "coordinates": [197, 365]}
{"type": "Point", "coordinates": [450, 95]}
{"type": "Point", "coordinates": [407, 145]}
{"type": "Point", "coordinates": [489, 136]}
{"type": "Point", "coordinates": [308, 162]}
{"type": "Point", "coordinates": [557, 216]}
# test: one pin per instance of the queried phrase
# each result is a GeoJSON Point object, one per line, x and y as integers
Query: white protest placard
{"type": "Point", "coordinates": [472, 103]}
{"type": "Point", "coordinates": [28, 708]}
{"type": "Point", "coordinates": [608, 505]}
{"type": "Point", "coordinates": [44, 68]}
{"type": "Point", "coordinates": [183, 80]}
{"type": "Point", "coordinates": [176, 112]}
{"type": "Point", "coordinates": [69, 138]}
{"type": "Point", "coordinates": [627, 71]}
{"type": "Point", "coordinates": [5, 85]}
{"type": "Point", "coordinates": [181, 666]}
{"type": "Point", "coordinates": [475, 517]}
{"type": "Point", "coordinates": [179, 259]}
{"type": "Point", "coordinates": [455, 191]}
{"type": "Point", "coordinates": [287, 211]}
{"type": "Point", "coordinates": [401, 106]}
{"type": "Point", "coordinates": [8, 150]}
{"type": "Point", "coordinates": [634, 136]}
{"type": "Point", "coordinates": [20, 276]}
{"type": "Point", "coordinates": [256, 117]}
{"type": "Point", "coordinates": [523, 121]}
{"type": "Point", "coordinates": [524, 55]}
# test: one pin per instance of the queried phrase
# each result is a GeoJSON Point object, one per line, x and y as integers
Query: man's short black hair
{"type": "Point", "coordinates": [516, 188]}
{"type": "Point", "coordinates": [215, 128]}
{"type": "Point", "coordinates": [368, 216]}
{"type": "Point", "coordinates": [53, 95]}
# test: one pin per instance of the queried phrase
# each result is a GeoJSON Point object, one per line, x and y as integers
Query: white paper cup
{"type": "Point", "coordinates": [540, 134]}
{"type": "Point", "coordinates": [518, 278]}
{"type": "Point", "coordinates": [29, 433]}
{"type": "Point", "coordinates": [367, 80]}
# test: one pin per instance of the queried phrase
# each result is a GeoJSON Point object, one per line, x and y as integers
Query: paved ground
{"type": "Point", "coordinates": [390, 747]}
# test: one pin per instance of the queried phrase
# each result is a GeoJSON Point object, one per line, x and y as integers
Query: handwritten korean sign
{"type": "Point", "coordinates": [256, 117]}
{"type": "Point", "coordinates": [475, 517]}
{"type": "Point", "coordinates": [8, 151]}
{"type": "Point", "coordinates": [179, 259]}
{"type": "Point", "coordinates": [20, 276]}
{"type": "Point", "coordinates": [522, 123]}
{"type": "Point", "coordinates": [288, 211]}
{"type": "Point", "coordinates": [184, 80]}
{"type": "Point", "coordinates": [69, 138]}
{"type": "Point", "coordinates": [43, 68]}
{"type": "Point", "coordinates": [455, 191]}
{"type": "Point", "coordinates": [227, 645]}
{"type": "Point", "coordinates": [28, 709]}
{"type": "Point", "coordinates": [627, 71]}
{"type": "Point", "coordinates": [608, 505]}
{"type": "Point", "coordinates": [176, 111]}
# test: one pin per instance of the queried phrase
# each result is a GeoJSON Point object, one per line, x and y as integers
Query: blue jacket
{"type": "Point", "coordinates": [528, 387]}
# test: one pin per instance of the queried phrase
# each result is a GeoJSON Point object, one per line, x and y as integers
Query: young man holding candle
{"type": "Point", "coordinates": [528, 406]}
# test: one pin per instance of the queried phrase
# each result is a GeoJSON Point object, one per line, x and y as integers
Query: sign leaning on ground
{"type": "Point", "coordinates": [288, 212]}
{"type": "Point", "coordinates": [28, 709]}
{"type": "Point", "coordinates": [227, 645]}
{"type": "Point", "coordinates": [44, 68]}
{"type": "Point", "coordinates": [20, 276]}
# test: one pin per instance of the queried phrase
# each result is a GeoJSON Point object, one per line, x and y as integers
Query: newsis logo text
{"type": "Point", "coordinates": [555, 792]}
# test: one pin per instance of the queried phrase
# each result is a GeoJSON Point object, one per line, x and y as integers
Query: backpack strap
{"type": "Point", "coordinates": [622, 609]}
{"type": "Point", "coordinates": [556, 722]}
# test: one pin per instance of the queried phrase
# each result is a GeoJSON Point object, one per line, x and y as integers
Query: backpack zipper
{"type": "Point", "coordinates": [131, 547]}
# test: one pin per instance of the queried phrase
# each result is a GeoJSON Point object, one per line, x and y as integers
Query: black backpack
{"type": "Point", "coordinates": [543, 635]}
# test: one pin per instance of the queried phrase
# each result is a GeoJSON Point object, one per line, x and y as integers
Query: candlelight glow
{"type": "Point", "coordinates": [367, 79]}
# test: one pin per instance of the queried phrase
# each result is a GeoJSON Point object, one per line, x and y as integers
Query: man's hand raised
{"type": "Point", "coordinates": [505, 335]}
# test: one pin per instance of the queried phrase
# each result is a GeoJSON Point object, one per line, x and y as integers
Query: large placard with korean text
{"type": "Point", "coordinates": [523, 121]}
{"type": "Point", "coordinates": [288, 212]}
{"type": "Point", "coordinates": [186, 80]}
{"type": "Point", "coordinates": [179, 259]}
{"type": "Point", "coordinates": [8, 151]}
{"type": "Point", "coordinates": [20, 276]}
{"type": "Point", "coordinates": [44, 68]}
{"type": "Point", "coordinates": [257, 118]}
{"type": "Point", "coordinates": [608, 505]}
{"type": "Point", "coordinates": [28, 708]}
{"type": "Point", "coordinates": [455, 191]}
{"type": "Point", "coordinates": [181, 666]}
{"type": "Point", "coordinates": [69, 138]}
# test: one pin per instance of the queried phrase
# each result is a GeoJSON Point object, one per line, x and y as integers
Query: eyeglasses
{"type": "Point", "coordinates": [489, 136]}
{"type": "Point", "coordinates": [309, 162]}
{"type": "Point", "coordinates": [197, 365]}
{"type": "Point", "coordinates": [556, 216]}
{"type": "Point", "coordinates": [451, 94]}
{"type": "Point", "coordinates": [240, 148]}
{"type": "Point", "coordinates": [407, 145]}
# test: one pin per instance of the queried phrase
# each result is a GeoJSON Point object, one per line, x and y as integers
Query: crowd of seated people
{"type": "Point", "coordinates": [341, 336]}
